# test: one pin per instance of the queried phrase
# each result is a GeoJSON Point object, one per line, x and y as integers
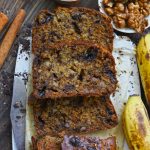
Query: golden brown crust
{"type": "Point", "coordinates": [58, 69]}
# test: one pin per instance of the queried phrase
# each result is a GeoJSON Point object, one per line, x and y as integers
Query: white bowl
{"type": "Point", "coordinates": [125, 30]}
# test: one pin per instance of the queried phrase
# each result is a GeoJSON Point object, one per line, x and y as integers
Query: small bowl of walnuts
{"type": "Point", "coordinates": [128, 16]}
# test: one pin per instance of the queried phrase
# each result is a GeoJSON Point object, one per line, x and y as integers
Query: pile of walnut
{"type": "Point", "coordinates": [128, 13]}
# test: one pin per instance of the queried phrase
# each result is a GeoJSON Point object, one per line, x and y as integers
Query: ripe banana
{"type": "Point", "coordinates": [136, 124]}
{"type": "Point", "coordinates": [143, 59]}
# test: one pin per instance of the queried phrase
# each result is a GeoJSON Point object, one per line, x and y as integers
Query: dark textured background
{"type": "Point", "coordinates": [7, 72]}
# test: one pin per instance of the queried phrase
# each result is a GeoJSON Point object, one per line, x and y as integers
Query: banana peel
{"type": "Point", "coordinates": [136, 124]}
{"type": "Point", "coordinates": [143, 60]}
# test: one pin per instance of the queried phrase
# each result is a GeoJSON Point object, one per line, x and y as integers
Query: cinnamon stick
{"type": "Point", "coordinates": [3, 20]}
{"type": "Point", "coordinates": [11, 35]}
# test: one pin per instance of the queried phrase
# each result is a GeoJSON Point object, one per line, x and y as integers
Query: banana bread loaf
{"type": "Point", "coordinates": [73, 115]}
{"type": "Point", "coordinates": [71, 24]}
{"type": "Point", "coordinates": [73, 69]}
{"type": "Point", "coordinates": [73, 143]}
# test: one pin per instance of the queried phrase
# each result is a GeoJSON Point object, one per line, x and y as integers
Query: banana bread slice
{"type": "Point", "coordinates": [73, 115]}
{"type": "Point", "coordinates": [88, 143]}
{"type": "Point", "coordinates": [71, 24]}
{"type": "Point", "coordinates": [73, 143]}
{"type": "Point", "coordinates": [73, 69]}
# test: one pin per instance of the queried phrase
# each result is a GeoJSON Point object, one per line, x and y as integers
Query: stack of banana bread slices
{"type": "Point", "coordinates": [73, 77]}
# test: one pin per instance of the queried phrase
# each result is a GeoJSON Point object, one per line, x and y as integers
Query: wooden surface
{"type": "Point", "coordinates": [7, 72]}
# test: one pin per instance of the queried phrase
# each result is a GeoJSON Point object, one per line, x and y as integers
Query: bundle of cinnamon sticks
{"type": "Point", "coordinates": [10, 36]}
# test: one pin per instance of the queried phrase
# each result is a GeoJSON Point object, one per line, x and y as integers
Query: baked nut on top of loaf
{"type": "Point", "coordinates": [72, 24]}
{"type": "Point", "coordinates": [76, 68]}
{"type": "Point", "coordinates": [74, 115]}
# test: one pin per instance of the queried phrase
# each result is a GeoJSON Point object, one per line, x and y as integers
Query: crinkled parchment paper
{"type": "Point", "coordinates": [128, 84]}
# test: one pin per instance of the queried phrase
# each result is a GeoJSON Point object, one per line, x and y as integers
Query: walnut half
{"type": "Point", "coordinates": [128, 14]}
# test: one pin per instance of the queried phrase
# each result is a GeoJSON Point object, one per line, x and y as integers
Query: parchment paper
{"type": "Point", "coordinates": [128, 77]}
